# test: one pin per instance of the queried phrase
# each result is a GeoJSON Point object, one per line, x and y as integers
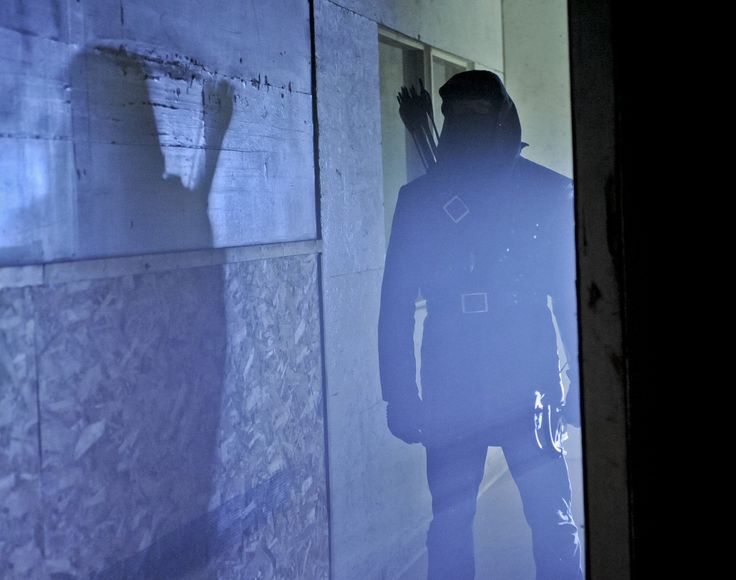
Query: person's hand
{"type": "Point", "coordinates": [405, 420]}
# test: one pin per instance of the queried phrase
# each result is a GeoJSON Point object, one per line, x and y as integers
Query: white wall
{"type": "Point", "coordinates": [538, 79]}
{"type": "Point", "coordinates": [470, 28]}
{"type": "Point", "coordinates": [536, 64]}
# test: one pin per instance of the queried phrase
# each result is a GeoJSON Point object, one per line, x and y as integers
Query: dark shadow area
{"type": "Point", "coordinates": [644, 217]}
{"type": "Point", "coordinates": [187, 550]}
{"type": "Point", "coordinates": [487, 238]}
{"type": "Point", "coordinates": [153, 345]}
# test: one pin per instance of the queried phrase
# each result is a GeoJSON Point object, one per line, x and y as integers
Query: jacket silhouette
{"type": "Point", "coordinates": [486, 237]}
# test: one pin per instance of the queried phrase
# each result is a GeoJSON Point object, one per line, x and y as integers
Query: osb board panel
{"type": "Point", "coordinates": [20, 523]}
{"type": "Point", "coordinates": [277, 419]}
{"type": "Point", "coordinates": [182, 425]}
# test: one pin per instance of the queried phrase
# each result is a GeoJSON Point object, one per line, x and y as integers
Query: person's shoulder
{"type": "Point", "coordinates": [417, 187]}
{"type": "Point", "coordinates": [543, 179]}
{"type": "Point", "coordinates": [544, 187]}
{"type": "Point", "coordinates": [416, 194]}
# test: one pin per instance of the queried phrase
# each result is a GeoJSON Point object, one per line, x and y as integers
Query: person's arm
{"type": "Point", "coordinates": [564, 297]}
{"type": "Point", "coordinates": [396, 324]}
{"type": "Point", "coordinates": [217, 111]}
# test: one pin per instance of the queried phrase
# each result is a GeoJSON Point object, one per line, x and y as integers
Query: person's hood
{"type": "Point", "coordinates": [473, 141]}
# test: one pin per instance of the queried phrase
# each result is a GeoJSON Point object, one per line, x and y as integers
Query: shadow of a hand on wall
{"type": "Point", "coordinates": [131, 124]}
{"type": "Point", "coordinates": [136, 463]}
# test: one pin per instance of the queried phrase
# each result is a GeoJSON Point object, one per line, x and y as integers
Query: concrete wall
{"type": "Point", "coordinates": [128, 128]}
{"type": "Point", "coordinates": [369, 503]}
{"type": "Point", "coordinates": [161, 414]}
{"type": "Point", "coordinates": [536, 64]}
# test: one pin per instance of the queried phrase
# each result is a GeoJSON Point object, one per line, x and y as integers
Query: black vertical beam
{"type": "Point", "coordinates": [602, 253]}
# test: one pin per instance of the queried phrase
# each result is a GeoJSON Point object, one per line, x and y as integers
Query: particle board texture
{"type": "Point", "coordinates": [165, 425]}
{"type": "Point", "coordinates": [21, 534]}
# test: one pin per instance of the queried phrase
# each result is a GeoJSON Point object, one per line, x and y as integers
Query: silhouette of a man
{"type": "Point", "coordinates": [486, 237]}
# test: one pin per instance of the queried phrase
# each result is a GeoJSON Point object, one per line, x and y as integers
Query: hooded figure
{"type": "Point", "coordinates": [486, 237]}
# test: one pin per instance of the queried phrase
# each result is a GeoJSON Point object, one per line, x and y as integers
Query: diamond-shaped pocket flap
{"type": "Point", "coordinates": [456, 209]}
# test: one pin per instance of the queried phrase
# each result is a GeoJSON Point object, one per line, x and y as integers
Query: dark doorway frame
{"type": "Point", "coordinates": [617, 396]}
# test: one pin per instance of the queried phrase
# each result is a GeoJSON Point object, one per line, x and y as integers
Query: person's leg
{"type": "Point", "coordinates": [454, 473]}
{"type": "Point", "coordinates": [544, 485]}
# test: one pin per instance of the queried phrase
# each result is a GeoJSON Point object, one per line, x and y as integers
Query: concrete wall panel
{"type": "Point", "coordinates": [47, 19]}
{"type": "Point", "coordinates": [188, 126]}
{"type": "Point", "coordinates": [380, 504]}
{"type": "Point", "coordinates": [237, 39]}
{"type": "Point", "coordinates": [348, 109]}
{"type": "Point", "coordinates": [378, 492]}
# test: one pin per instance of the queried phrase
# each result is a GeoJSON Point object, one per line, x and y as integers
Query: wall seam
{"type": "Point", "coordinates": [117, 266]}
{"type": "Point", "coordinates": [319, 274]}
{"type": "Point", "coordinates": [315, 121]}
{"type": "Point", "coordinates": [352, 273]}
